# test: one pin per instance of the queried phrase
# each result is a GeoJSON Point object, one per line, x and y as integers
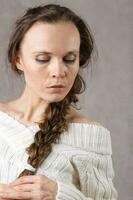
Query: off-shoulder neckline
{"type": "Point", "coordinates": [34, 125]}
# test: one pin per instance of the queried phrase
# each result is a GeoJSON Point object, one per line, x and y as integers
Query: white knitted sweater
{"type": "Point", "coordinates": [81, 163]}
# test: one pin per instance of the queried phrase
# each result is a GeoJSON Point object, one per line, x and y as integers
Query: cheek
{"type": "Point", "coordinates": [34, 77]}
{"type": "Point", "coordinates": [31, 69]}
{"type": "Point", "coordinates": [73, 73]}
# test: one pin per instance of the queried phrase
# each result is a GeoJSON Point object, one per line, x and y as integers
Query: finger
{"type": "Point", "coordinates": [25, 187]}
{"type": "Point", "coordinates": [27, 179]}
{"type": "Point", "coordinates": [5, 190]}
{"type": "Point", "coordinates": [3, 187]}
{"type": "Point", "coordinates": [16, 195]}
{"type": "Point", "coordinates": [27, 195]}
{"type": "Point", "coordinates": [23, 180]}
{"type": "Point", "coordinates": [5, 199]}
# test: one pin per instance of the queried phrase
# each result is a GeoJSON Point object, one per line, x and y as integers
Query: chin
{"type": "Point", "coordinates": [54, 99]}
{"type": "Point", "coordinates": [57, 99]}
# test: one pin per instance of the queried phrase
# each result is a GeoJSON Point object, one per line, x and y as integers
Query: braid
{"type": "Point", "coordinates": [55, 123]}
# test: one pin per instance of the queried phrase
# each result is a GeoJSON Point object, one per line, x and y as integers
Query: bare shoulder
{"type": "Point", "coordinates": [79, 118]}
{"type": "Point", "coordinates": [3, 106]}
{"type": "Point", "coordinates": [86, 121]}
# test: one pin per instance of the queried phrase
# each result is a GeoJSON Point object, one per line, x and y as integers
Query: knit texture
{"type": "Point", "coordinates": [81, 163]}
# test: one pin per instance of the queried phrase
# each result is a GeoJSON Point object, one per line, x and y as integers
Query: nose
{"type": "Point", "coordinates": [58, 69]}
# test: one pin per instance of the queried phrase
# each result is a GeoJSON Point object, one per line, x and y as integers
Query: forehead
{"type": "Point", "coordinates": [62, 36]}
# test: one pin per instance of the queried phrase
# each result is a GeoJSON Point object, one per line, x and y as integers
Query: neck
{"type": "Point", "coordinates": [29, 108]}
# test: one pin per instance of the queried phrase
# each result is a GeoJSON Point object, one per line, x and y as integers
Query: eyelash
{"type": "Point", "coordinates": [45, 61]}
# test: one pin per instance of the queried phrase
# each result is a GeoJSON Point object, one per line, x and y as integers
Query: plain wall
{"type": "Point", "coordinates": [109, 95]}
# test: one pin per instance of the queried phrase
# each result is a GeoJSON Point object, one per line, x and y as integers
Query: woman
{"type": "Point", "coordinates": [48, 150]}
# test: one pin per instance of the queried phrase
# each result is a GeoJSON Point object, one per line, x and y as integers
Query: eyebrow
{"type": "Point", "coordinates": [50, 53]}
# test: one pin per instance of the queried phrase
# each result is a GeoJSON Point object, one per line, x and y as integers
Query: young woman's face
{"type": "Point", "coordinates": [49, 55]}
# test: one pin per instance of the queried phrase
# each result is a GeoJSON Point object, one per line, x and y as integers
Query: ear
{"type": "Point", "coordinates": [18, 62]}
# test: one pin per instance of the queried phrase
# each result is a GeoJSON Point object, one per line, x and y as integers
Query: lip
{"type": "Point", "coordinates": [56, 86]}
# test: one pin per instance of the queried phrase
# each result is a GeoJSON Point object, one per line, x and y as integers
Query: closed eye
{"type": "Point", "coordinates": [42, 60]}
{"type": "Point", "coordinates": [45, 61]}
{"type": "Point", "coordinates": [69, 61]}
{"type": "Point", "coordinates": [70, 58]}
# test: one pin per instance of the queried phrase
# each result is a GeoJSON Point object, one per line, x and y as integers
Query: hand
{"type": "Point", "coordinates": [4, 188]}
{"type": "Point", "coordinates": [36, 187]}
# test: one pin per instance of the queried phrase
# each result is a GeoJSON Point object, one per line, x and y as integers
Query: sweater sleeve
{"type": "Point", "coordinates": [95, 172]}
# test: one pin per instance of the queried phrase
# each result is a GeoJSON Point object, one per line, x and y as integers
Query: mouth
{"type": "Point", "coordinates": [56, 86]}
{"type": "Point", "coordinates": [56, 89]}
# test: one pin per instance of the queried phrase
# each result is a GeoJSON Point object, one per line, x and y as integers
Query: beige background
{"type": "Point", "coordinates": [109, 96]}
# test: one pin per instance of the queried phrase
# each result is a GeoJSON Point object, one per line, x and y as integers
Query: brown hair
{"type": "Point", "coordinates": [54, 121]}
